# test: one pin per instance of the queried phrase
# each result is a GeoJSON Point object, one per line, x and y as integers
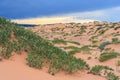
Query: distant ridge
{"type": "Point", "coordinates": [27, 25]}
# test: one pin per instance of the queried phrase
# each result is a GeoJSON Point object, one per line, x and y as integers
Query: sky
{"type": "Point", "coordinates": [55, 11]}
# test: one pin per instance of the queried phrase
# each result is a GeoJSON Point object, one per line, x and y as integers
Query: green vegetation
{"type": "Point", "coordinates": [85, 48]}
{"type": "Point", "coordinates": [39, 50]}
{"type": "Point", "coordinates": [118, 63]}
{"type": "Point", "coordinates": [89, 58]}
{"type": "Point", "coordinates": [94, 41]}
{"type": "Point", "coordinates": [77, 50]}
{"type": "Point", "coordinates": [102, 45]}
{"type": "Point", "coordinates": [112, 76]}
{"type": "Point", "coordinates": [71, 47]}
{"type": "Point", "coordinates": [74, 51]}
{"type": "Point", "coordinates": [82, 29]}
{"type": "Point", "coordinates": [102, 32]}
{"type": "Point", "coordinates": [77, 43]}
{"type": "Point", "coordinates": [107, 56]}
{"type": "Point", "coordinates": [98, 69]}
{"type": "Point", "coordinates": [115, 41]}
{"type": "Point", "coordinates": [58, 41]}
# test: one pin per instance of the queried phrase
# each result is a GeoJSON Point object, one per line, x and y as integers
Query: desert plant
{"type": "Point", "coordinates": [77, 50]}
{"type": "Point", "coordinates": [97, 69]}
{"type": "Point", "coordinates": [115, 41]}
{"type": "Point", "coordinates": [103, 44]}
{"type": "Point", "coordinates": [89, 58]}
{"type": "Point", "coordinates": [77, 43]}
{"type": "Point", "coordinates": [107, 56]}
{"type": "Point", "coordinates": [118, 63]}
{"type": "Point", "coordinates": [112, 76]}
{"type": "Point", "coordinates": [58, 41]}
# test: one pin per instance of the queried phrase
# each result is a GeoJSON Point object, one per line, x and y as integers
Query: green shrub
{"type": "Point", "coordinates": [77, 50]}
{"type": "Point", "coordinates": [118, 63]}
{"type": "Point", "coordinates": [112, 76]}
{"type": "Point", "coordinates": [89, 58]}
{"type": "Point", "coordinates": [58, 41]}
{"type": "Point", "coordinates": [97, 69]}
{"type": "Point", "coordinates": [35, 60]}
{"type": "Point", "coordinates": [85, 48]}
{"type": "Point", "coordinates": [71, 47]}
{"type": "Point", "coordinates": [102, 45]}
{"type": "Point", "coordinates": [74, 51]}
{"type": "Point", "coordinates": [94, 41]}
{"type": "Point", "coordinates": [77, 43]}
{"type": "Point", "coordinates": [107, 56]}
{"type": "Point", "coordinates": [115, 41]}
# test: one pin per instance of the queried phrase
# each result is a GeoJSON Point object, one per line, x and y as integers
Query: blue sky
{"type": "Point", "coordinates": [24, 9]}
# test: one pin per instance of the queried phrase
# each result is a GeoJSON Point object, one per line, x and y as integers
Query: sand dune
{"type": "Point", "coordinates": [16, 69]}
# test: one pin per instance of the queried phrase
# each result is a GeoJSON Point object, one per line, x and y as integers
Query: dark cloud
{"type": "Point", "coordinates": [33, 8]}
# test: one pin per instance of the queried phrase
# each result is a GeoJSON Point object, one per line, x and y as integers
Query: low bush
{"type": "Point", "coordinates": [115, 41]}
{"type": "Point", "coordinates": [102, 45]}
{"type": "Point", "coordinates": [59, 41]}
{"type": "Point", "coordinates": [97, 69]}
{"type": "Point", "coordinates": [107, 56]}
{"type": "Point", "coordinates": [112, 76]}
{"type": "Point", "coordinates": [77, 50]}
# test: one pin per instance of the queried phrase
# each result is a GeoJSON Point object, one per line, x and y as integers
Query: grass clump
{"type": "Point", "coordinates": [115, 41]}
{"type": "Point", "coordinates": [107, 56]}
{"type": "Point", "coordinates": [118, 63]}
{"type": "Point", "coordinates": [59, 41]}
{"type": "Point", "coordinates": [77, 43]}
{"type": "Point", "coordinates": [77, 50]}
{"type": "Point", "coordinates": [71, 47]}
{"type": "Point", "coordinates": [89, 58]}
{"type": "Point", "coordinates": [102, 45]}
{"type": "Point", "coordinates": [112, 76]}
{"type": "Point", "coordinates": [85, 48]}
{"type": "Point", "coordinates": [98, 69]}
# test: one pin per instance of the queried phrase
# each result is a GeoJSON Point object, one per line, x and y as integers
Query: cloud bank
{"type": "Point", "coordinates": [110, 15]}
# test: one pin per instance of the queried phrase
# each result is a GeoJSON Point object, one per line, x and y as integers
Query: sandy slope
{"type": "Point", "coordinates": [16, 69]}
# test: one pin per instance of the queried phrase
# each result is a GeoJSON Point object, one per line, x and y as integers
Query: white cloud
{"type": "Point", "coordinates": [111, 14]}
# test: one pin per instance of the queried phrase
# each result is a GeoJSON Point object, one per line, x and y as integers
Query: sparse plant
{"type": "Point", "coordinates": [58, 41]}
{"type": "Point", "coordinates": [77, 50]}
{"type": "Point", "coordinates": [89, 58]}
{"type": "Point", "coordinates": [118, 63]}
{"type": "Point", "coordinates": [98, 69]}
{"type": "Point", "coordinates": [115, 41]}
{"type": "Point", "coordinates": [102, 45]}
{"type": "Point", "coordinates": [107, 56]}
{"type": "Point", "coordinates": [112, 76]}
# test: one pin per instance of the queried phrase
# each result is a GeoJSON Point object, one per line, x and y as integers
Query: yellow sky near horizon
{"type": "Point", "coordinates": [49, 20]}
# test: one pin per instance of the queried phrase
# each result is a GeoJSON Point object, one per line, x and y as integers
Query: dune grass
{"type": "Point", "coordinates": [39, 50]}
{"type": "Point", "coordinates": [97, 69]}
{"type": "Point", "coordinates": [77, 50]}
{"type": "Point", "coordinates": [103, 44]}
{"type": "Point", "coordinates": [107, 72]}
{"type": "Point", "coordinates": [108, 56]}
{"type": "Point", "coordinates": [62, 41]}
